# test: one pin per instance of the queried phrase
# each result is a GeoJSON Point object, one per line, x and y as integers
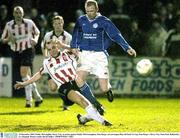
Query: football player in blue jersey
{"type": "Point", "coordinates": [91, 36]}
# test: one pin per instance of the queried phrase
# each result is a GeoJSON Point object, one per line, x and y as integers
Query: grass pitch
{"type": "Point", "coordinates": [126, 115]}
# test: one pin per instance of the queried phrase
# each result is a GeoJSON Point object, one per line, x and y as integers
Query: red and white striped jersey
{"type": "Point", "coordinates": [61, 69]}
{"type": "Point", "coordinates": [23, 33]}
{"type": "Point", "coordinates": [65, 38]}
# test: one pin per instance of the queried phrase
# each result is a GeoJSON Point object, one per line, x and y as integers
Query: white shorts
{"type": "Point", "coordinates": [94, 62]}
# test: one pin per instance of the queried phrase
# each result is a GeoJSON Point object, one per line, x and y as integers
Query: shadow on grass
{"type": "Point", "coordinates": [47, 128]}
{"type": "Point", "coordinates": [27, 112]}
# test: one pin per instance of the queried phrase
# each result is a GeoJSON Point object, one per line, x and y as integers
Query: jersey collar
{"type": "Point", "coordinates": [62, 34]}
{"type": "Point", "coordinates": [97, 16]}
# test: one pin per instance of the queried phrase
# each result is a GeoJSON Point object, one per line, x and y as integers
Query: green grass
{"type": "Point", "coordinates": [127, 115]}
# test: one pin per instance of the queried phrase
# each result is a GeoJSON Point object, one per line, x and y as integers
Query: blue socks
{"type": "Point", "coordinates": [86, 92]}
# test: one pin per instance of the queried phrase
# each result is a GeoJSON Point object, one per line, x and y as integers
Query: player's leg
{"type": "Point", "coordinates": [53, 87]}
{"type": "Point", "coordinates": [84, 103]}
{"type": "Point", "coordinates": [26, 62]}
{"type": "Point", "coordinates": [102, 72]}
{"type": "Point", "coordinates": [106, 88]}
{"type": "Point", "coordinates": [86, 91]}
{"type": "Point", "coordinates": [83, 119]}
{"type": "Point", "coordinates": [84, 87]}
{"type": "Point", "coordinates": [28, 91]}
{"type": "Point", "coordinates": [37, 96]}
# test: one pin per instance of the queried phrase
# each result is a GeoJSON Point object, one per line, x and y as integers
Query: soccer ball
{"type": "Point", "coordinates": [144, 67]}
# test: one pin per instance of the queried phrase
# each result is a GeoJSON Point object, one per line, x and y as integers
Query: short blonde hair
{"type": "Point", "coordinates": [91, 2]}
{"type": "Point", "coordinates": [57, 17]}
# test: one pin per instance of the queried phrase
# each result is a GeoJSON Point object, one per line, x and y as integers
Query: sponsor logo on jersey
{"type": "Point", "coordinates": [89, 36]}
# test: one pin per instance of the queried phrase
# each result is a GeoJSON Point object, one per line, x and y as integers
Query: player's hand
{"type": "Point", "coordinates": [33, 42]}
{"type": "Point", "coordinates": [131, 52]}
{"type": "Point", "coordinates": [48, 44]}
{"type": "Point", "coordinates": [61, 45]}
{"type": "Point", "coordinates": [75, 51]}
{"type": "Point", "coordinates": [19, 85]}
{"type": "Point", "coordinates": [11, 39]}
{"type": "Point", "coordinates": [56, 42]}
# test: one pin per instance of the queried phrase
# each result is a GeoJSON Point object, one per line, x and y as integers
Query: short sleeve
{"type": "Point", "coordinates": [43, 69]}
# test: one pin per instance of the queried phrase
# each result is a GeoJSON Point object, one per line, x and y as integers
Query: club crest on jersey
{"type": "Point", "coordinates": [95, 25]}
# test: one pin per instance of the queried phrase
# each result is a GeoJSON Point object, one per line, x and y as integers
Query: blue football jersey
{"type": "Point", "coordinates": [96, 35]}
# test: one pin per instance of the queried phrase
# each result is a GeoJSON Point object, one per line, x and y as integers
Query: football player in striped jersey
{"type": "Point", "coordinates": [61, 67]}
{"type": "Point", "coordinates": [58, 33]}
{"type": "Point", "coordinates": [22, 35]}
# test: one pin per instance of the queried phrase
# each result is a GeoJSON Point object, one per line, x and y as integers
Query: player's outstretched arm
{"type": "Point", "coordinates": [34, 78]}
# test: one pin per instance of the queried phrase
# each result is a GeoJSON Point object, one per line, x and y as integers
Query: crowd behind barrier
{"type": "Point", "coordinates": [151, 27]}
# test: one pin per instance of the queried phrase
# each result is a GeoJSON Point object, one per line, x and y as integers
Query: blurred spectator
{"type": "Point", "coordinates": [118, 11]}
{"type": "Point", "coordinates": [79, 12]}
{"type": "Point", "coordinates": [122, 22]}
{"type": "Point", "coordinates": [43, 27]}
{"type": "Point", "coordinates": [155, 38]}
{"type": "Point", "coordinates": [70, 27]}
{"type": "Point", "coordinates": [34, 15]}
{"type": "Point", "coordinates": [162, 15]}
{"type": "Point", "coordinates": [136, 37]}
{"type": "Point", "coordinates": [170, 15]}
{"type": "Point", "coordinates": [106, 7]}
{"type": "Point", "coordinates": [156, 6]}
{"type": "Point", "coordinates": [120, 19]}
{"type": "Point", "coordinates": [140, 10]}
{"type": "Point", "coordinates": [119, 6]}
{"type": "Point", "coordinates": [172, 48]}
{"type": "Point", "coordinates": [4, 18]}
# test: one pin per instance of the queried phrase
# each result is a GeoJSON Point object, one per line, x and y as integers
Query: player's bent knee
{"type": "Point", "coordinates": [52, 85]}
{"type": "Point", "coordinates": [80, 82]}
{"type": "Point", "coordinates": [53, 88]}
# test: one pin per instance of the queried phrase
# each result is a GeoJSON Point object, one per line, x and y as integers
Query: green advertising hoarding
{"type": "Point", "coordinates": [124, 79]}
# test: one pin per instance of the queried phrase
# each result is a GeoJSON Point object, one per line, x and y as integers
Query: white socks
{"type": "Point", "coordinates": [93, 114]}
{"type": "Point", "coordinates": [37, 96]}
{"type": "Point", "coordinates": [31, 88]}
{"type": "Point", "coordinates": [28, 91]}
